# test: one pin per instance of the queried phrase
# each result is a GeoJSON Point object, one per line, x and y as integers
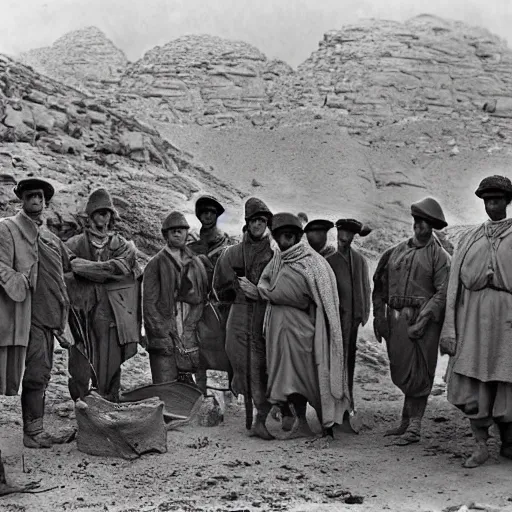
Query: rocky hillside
{"type": "Point", "coordinates": [51, 130]}
{"type": "Point", "coordinates": [85, 59]}
{"type": "Point", "coordinates": [381, 73]}
{"type": "Point", "coordinates": [205, 79]}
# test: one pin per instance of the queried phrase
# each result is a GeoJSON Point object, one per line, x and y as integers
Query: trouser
{"type": "Point", "coordinates": [202, 380]}
{"type": "Point", "coordinates": [81, 375]}
{"type": "Point", "coordinates": [38, 367]}
{"type": "Point", "coordinates": [351, 350]}
{"type": "Point", "coordinates": [414, 407]}
{"type": "Point", "coordinates": [300, 404]}
{"type": "Point", "coordinates": [163, 367]}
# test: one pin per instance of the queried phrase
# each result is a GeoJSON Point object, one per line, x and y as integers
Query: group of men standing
{"type": "Point", "coordinates": [279, 311]}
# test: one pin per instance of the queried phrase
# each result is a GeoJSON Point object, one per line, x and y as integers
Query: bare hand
{"type": "Point", "coordinates": [250, 290]}
{"type": "Point", "coordinates": [418, 329]}
{"type": "Point", "coordinates": [63, 341]}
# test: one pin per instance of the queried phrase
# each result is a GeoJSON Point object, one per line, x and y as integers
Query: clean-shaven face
{"type": "Point", "coordinates": [33, 201]}
{"type": "Point", "coordinates": [176, 237]}
{"type": "Point", "coordinates": [257, 226]}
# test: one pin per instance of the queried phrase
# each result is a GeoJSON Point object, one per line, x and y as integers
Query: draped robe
{"type": "Point", "coordinates": [479, 318]}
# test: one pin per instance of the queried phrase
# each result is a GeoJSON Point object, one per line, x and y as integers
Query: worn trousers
{"type": "Point", "coordinates": [38, 367]}
{"type": "Point", "coordinates": [163, 367]}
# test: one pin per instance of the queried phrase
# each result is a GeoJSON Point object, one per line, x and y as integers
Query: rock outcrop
{"type": "Point", "coordinates": [85, 59]}
{"type": "Point", "coordinates": [382, 73]}
{"type": "Point", "coordinates": [54, 131]}
{"type": "Point", "coordinates": [206, 79]}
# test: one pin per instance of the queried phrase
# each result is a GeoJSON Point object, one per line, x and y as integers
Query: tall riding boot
{"type": "Point", "coordinates": [480, 430]}
{"type": "Point", "coordinates": [400, 430]}
{"type": "Point", "coordinates": [506, 439]}
{"type": "Point", "coordinates": [416, 412]}
{"type": "Point", "coordinates": [259, 429]}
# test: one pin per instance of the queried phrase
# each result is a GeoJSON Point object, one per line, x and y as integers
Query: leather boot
{"type": "Point", "coordinates": [400, 430]}
{"type": "Point", "coordinates": [417, 406]}
{"type": "Point", "coordinates": [259, 429]}
{"type": "Point", "coordinates": [34, 435]}
{"type": "Point", "coordinates": [506, 439]}
{"type": "Point", "coordinates": [481, 452]}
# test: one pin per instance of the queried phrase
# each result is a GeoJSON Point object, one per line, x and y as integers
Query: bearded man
{"type": "Point", "coordinates": [211, 328]}
{"type": "Point", "coordinates": [316, 233]}
{"type": "Point", "coordinates": [302, 329]}
{"type": "Point", "coordinates": [353, 282]}
{"type": "Point", "coordinates": [105, 295]}
{"type": "Point", "coordinates": [33, 305]}
{"type": "Point", "coordinates": [245, 345]}
{"type": "Point", "coordinates": [477, 327]}
{"type": "Point", "coordinates": [174, 290]}
{"type": "Point", "coordinates": [408, 305]}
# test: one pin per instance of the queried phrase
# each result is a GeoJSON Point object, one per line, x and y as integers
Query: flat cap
{"type": "Point", "coordinates": [351, 225]}
{"type": "Point", "coordinates": [319, 225]}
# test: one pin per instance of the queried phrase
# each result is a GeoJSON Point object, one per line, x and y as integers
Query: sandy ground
{"type": "Point", "coordinates": [222, 469]}
{"type": "Point", "coordinates": [324, 171]}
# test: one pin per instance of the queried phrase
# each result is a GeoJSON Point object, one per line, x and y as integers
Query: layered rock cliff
{"type": "Point", "coordinates": [202, 78]}
{"type": "Point", "coordinates": [85, 59]}
{"type": "Point", "coordinates": [384, 73]}
{"type": "Point", "coordinates": [51, 130]}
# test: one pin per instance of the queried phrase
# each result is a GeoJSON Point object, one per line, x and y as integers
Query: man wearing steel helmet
{"type": "Point", "coordinates": [175, 287]}
{"type": "Point", "coordinates": [212, 241]}
{"type": "Point", "coordinates": [33, 305]}
{"type": "Point", "coordinates": [302, 330]}
{"type": "Point", "coordinates": [408, 305]}
{"type": "Point", "coordinates": [477, 327]}
{"type": "Point", "coordinates": [245, 345]}
{"type": "Point", "coordinates": [105, 294]}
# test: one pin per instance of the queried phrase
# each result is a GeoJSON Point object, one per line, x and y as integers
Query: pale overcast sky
{"type": "Point", "coordinates": [287, 29]}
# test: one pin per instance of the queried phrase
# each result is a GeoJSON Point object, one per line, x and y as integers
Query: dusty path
{"type": "Point", "coordinates": [234, 472]}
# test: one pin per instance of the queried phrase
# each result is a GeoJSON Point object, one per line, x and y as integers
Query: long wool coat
{"type": "Point", "coordinates": [19, 256]}
{"type": "Point", "coordinates": [167, 283]}
{"type": "Point", "coordinates": [245, 345]}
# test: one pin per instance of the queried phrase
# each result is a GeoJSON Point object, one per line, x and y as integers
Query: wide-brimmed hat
{"type": "Point", "coordinates": [100, 200]}
{"type": "Point", "coordinates": [255, 207]}
{"type": "Point", "coordinates": [286, 220]}
{"type": "Point", "coordinates": [205, 202]}
{"type": "Point", "coordinates": [319, 225]}
{"type": "Point", "coordinates": [493, 186]}
{"type": "Point", "coordinates": [34, 184]}
{"type": "Point", "coordinates": [430, 210]}
{"type": "Point", "coordinates": [175, 220]}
